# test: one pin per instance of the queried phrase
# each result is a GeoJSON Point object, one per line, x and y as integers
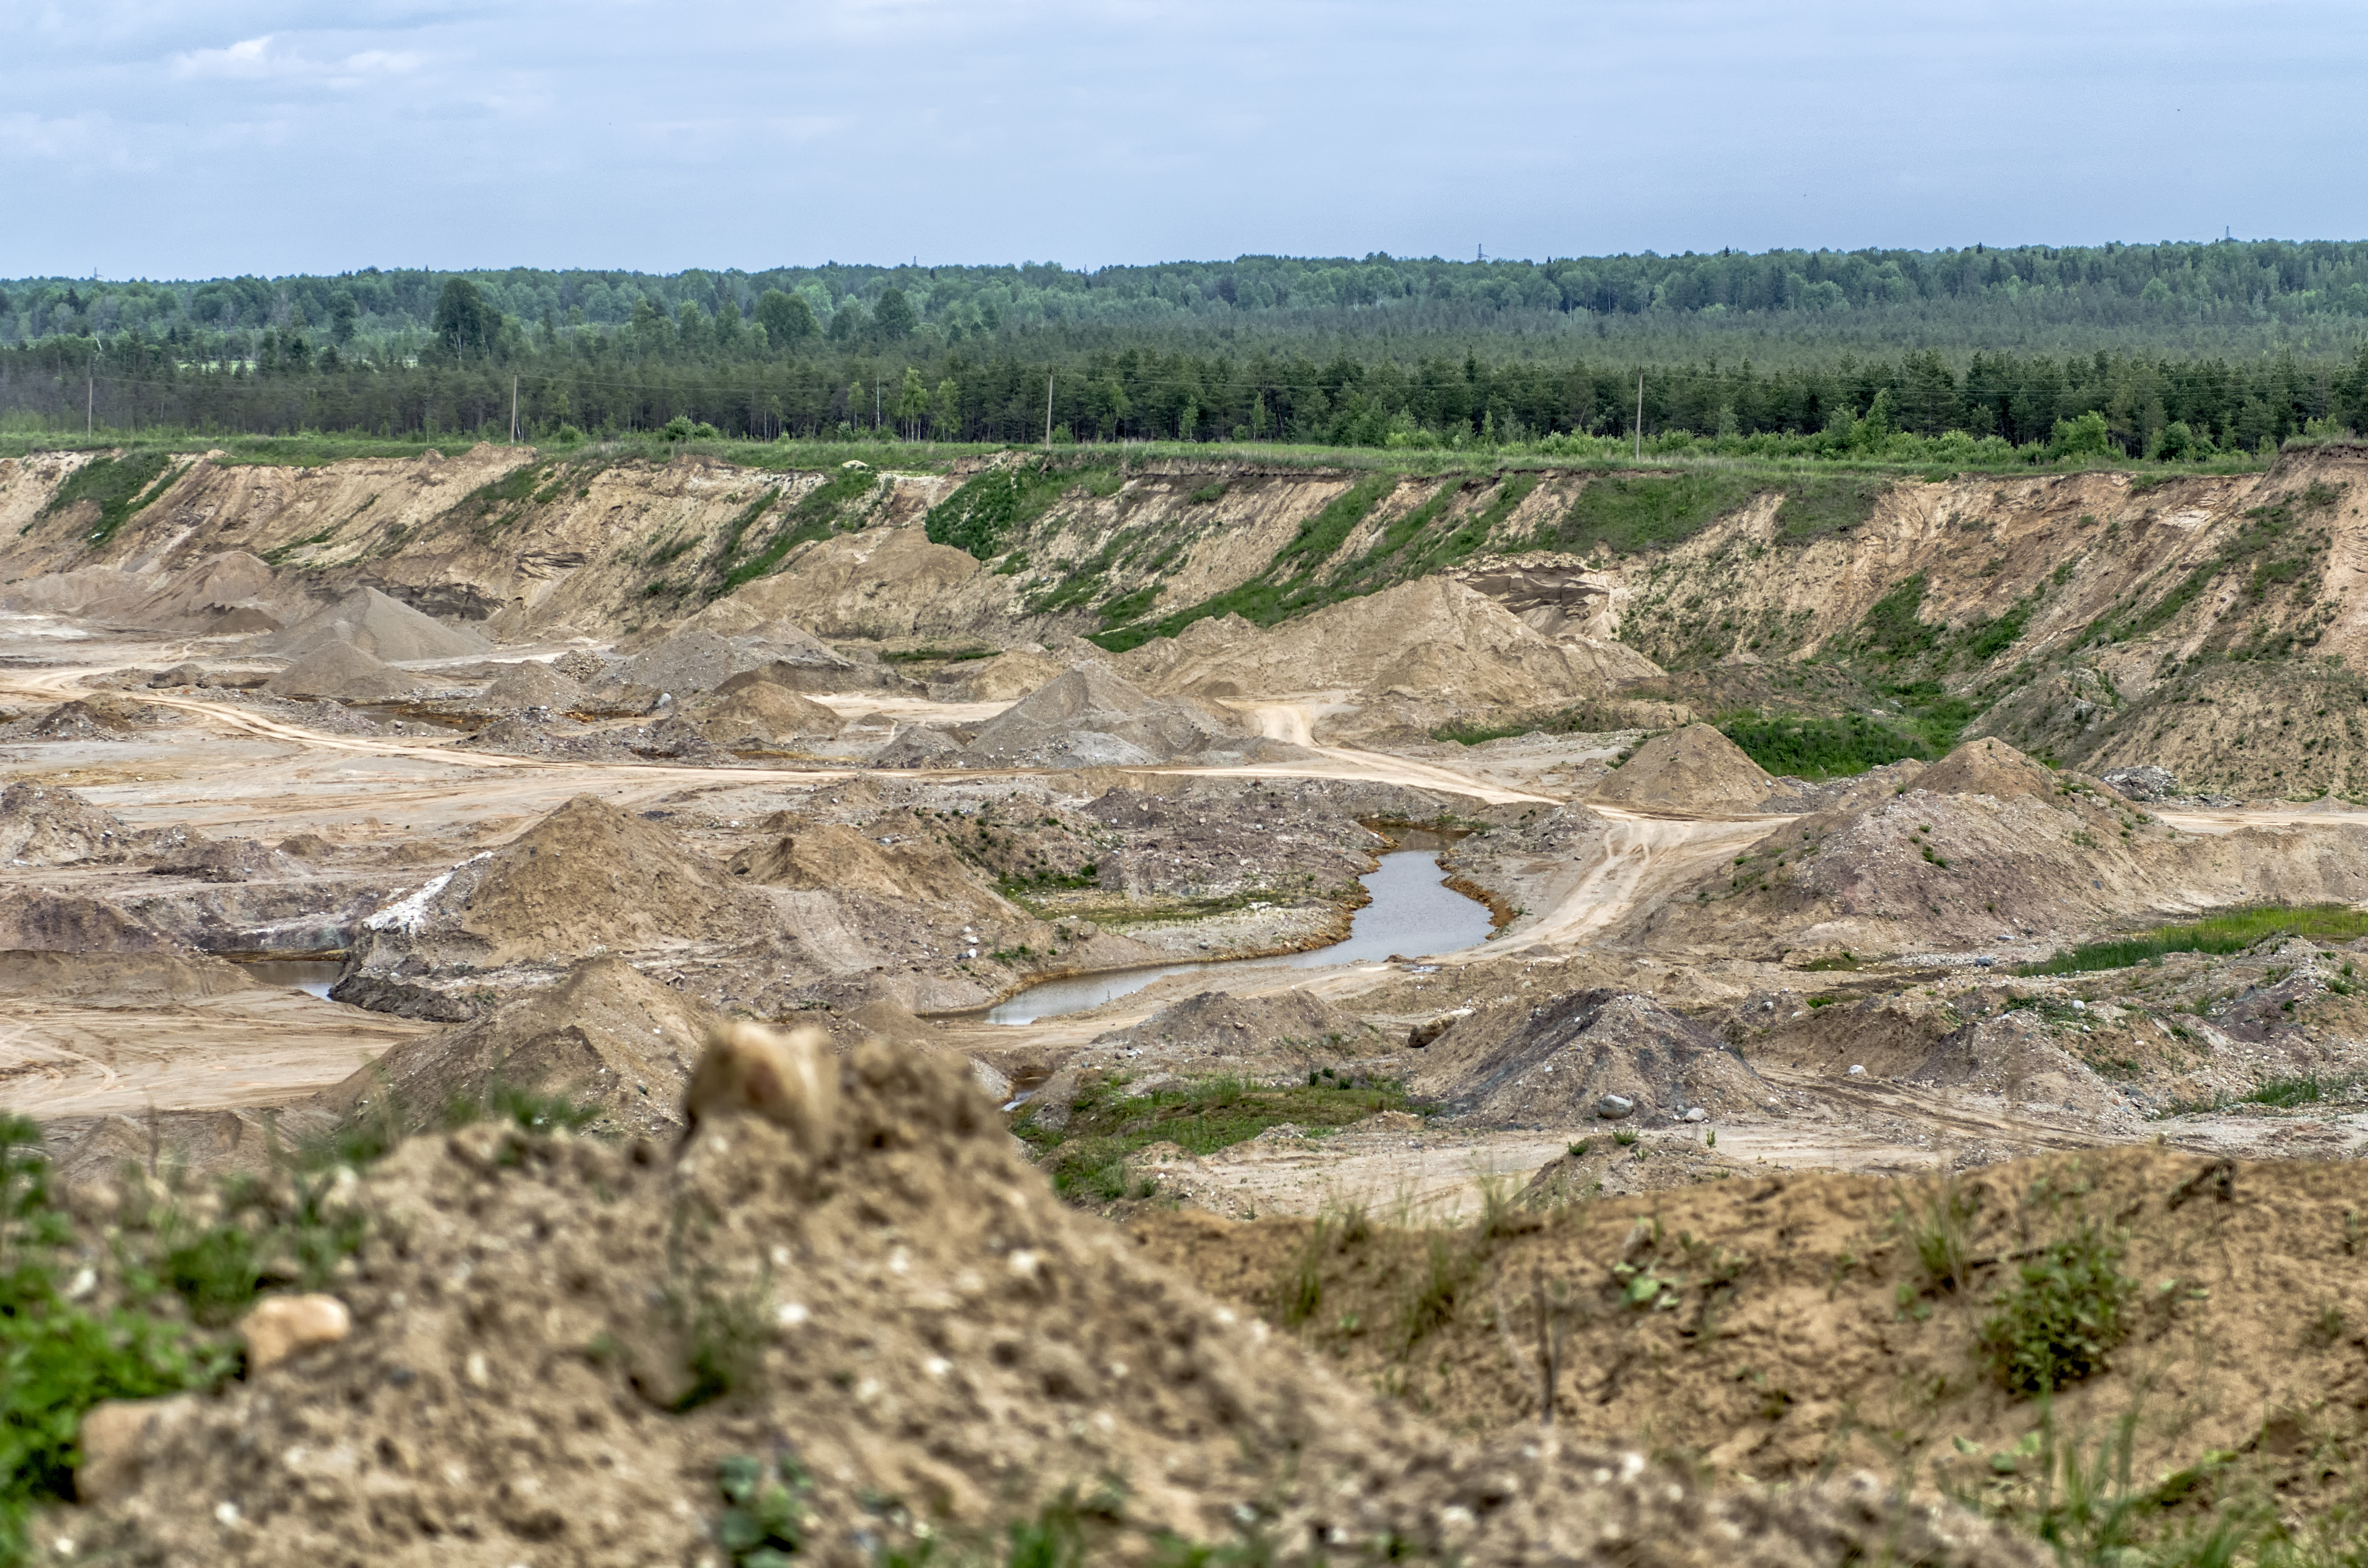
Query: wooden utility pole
{"type": "Point", "coordinates": [1640, 416]}
{"type": "Point", "coordinates": [1048, 408]}
{"type": "Point", "coordinates": [513, 410]}
{"type": "Point", "coordinates": [89, 392]}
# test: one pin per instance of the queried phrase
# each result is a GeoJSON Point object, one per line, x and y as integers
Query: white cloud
{"type": "Point", "coordinates": [266, 59]}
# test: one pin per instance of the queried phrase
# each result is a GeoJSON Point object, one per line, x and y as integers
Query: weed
{"type": "Point", "coordinates": [724, 1332]}
{"type": "Point", "coordinates": [2326, 1328]}
{"type": "Point", "coordinates": [1434, 1287]}
{"type": "Point", "coordinates": [2062, 1317]}
{"type": "Point", "coordinates": [2233, 931]}
{"type": "Point", "coordinates": [1299, 1294]}
{"type": "Point", "coordinates": [1820, 748]}
{"type": "Point", "coordinates": [1938, 1223]}
{"type": "Point", "coordinates": [766, 1514]}
{"type": "Point", "coordinates": [118, 486]}
{"type": "Point", "coordinates": [1625, 1138]}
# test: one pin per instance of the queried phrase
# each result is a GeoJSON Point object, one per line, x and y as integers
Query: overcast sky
{"type": "Point", "coordinates": [195, 139]}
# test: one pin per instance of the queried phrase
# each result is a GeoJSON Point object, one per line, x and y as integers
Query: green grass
{"type": "Point", "coordinates": [995, 508]}
{"type": "Point", "coordinates": [938, 655]}
{"type": "Point", "coordinates": [2231, 932]}
{"type": "Point", "coordinates": [118, 486]}
{"type": "Point", "coordinates": [1817, 504]}
{"type": "Point", "coordinates": [1821, 748]}
{"type": "Point", "coordinates": [1087, 1159]}
{"type": "Point", "coordinates": [1629, 513]}
{"type": "Point", "coordinates": [816, 514]}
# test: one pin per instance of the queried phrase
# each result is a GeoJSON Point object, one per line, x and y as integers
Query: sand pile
{"type": "Point", "coordinates": [1217, 1030]}
{"type": "Point", "coordinates": [43, 825]}
{"type": "Point", "coordinates": [883, 584]}
{"type": "Point", "coordinates": [1557, 1065]}
{"type": "Point", "coordinates": [226, 860]}
{"type": "Point", "coordinates": [343, 672]}
{"type": "Point", "coordinates": [232, 592]}
{"type": "Point", "coordinates": [2027, 850]}
{"type": "Point", "coordinates": [101, 716]}
{"type": "Point", "coordinates": [916, 868]}
{"type": "Point", "coordinates": [531, 684]}
{"type": "Point", "coordinates": [587, 876]}
{"type": "Point", "coordinates": [1432, 641]}
{"type": "Point", "coordinates": [149, 978]}
{"type": "Point", "coordinates": [700, 657]}
{"type": "Point", "coordinates": [1092, 717]}
{"type": "Point", "coordinates": [383, 628]}
{"type": "Point", "coordinates": [1695, 769]}
{"type": "Point", "coordinates": [556, 1343]}
{"type": "Point", "coordinates": [766, 714]}
{"type": "Point", "coordinates": [34, 920]}
{"type": "Point", "coordinates": [606, 1035]}
{"type": "Point", "coordinates": [1006, 678]}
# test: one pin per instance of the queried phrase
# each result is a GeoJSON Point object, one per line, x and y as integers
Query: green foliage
{"type": "Point", "coordinates": [1820, 748]}
{"type": "Point", "coordinates": [2232, 931]}
{"type": "Point", "coordinates": [1632, 513]}
{"type": "Point", "coordinates": [996, 508]}
{"type": "Point", "coordinates": [118, 486]}
{"type": "Point", "coordinates": [1985, 640]}
{"type": "Point", "coordinates": [2063, 1315]}
{"type": "Point", "coordinates": [767, 1509]}
{"type": "Point", "coordinates": [1937, 1221]}
{"type": "Point", "coordinates": [59, 1358]}
{"type": "Point", "coordinates": [786, 318]}
{"type": "Point", "coordinates": [813, 516]}
{"type": "Point", "coordinates": [1087, 1160]}
{"type": "Point", "coordinates": [1890, 628]}
{"type": "Point", "coordinates": [1819, 505]}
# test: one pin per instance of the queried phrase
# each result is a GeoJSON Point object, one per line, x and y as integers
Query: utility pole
{"type": "Point", "coordinates": [1048, 408]}
{"type": "Point", "coordinates": [513, 409]}
{"type": "Point", "coordinates": [1640, 416]}
{"type": "Point", "coordinates": [89, 392]}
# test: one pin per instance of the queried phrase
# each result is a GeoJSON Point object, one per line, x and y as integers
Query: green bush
{"type": "Point", "coordinates": [1820, 748]}
{"type": "Point", "coordinates": [2063, 1315]}
{"type": "Point", "coordinates": [2230, 932]}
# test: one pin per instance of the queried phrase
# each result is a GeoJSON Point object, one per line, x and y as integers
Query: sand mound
{"type": "Point", "coordinates": [607, 1035]}
{"type": "Point", "coordinates": [119, 979]}
{"type": "Point", "coordinates": [1004, 678]}
{"type": "Point", "coordinates": [531, 684]}
{"type": "Point", "coordinates": [1989, 767]}
{"type": "Point", "coordinates": [383, 628]}
{"type": "Point", "coordinates": [1217, 1025]}
{"type": "Point", "coordinates": [1432, 640]}
{"type": "Point", "coordinates": [918, 745]}
{"type": "Point", "coordinates": [587, 876]}
{"type": "Point", "coordinates": [766, 713]}
{"type": "Point", "coordinates": [833, 858]}
{"type": "Point", "coordinates": [700, 658]}
{"type": "Point", "coordinates": [1556, 1065]}
{"type": "Point", "coordinates": [43, 825]}
{"type": "Point", "coordinates": [225, 861]}
{"type": "Point", "coordinates": [343, 672]}
{"type": "Point", "coordinates": [101, 716]}
{"type": "Point", "coordinates": [559, 1341]}
{"type": "Point", "coordinates": [32, 920]}
{"type": "Point", "coordinates": [1693, 769]}
{"type": "Point", "coordinates": [1091, 717]}
{"type": "Point", "coordinates": [232, 592]}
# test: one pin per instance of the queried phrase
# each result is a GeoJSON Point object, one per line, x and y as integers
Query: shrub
{"type": "Point", "coordinates": [2062, 1317]}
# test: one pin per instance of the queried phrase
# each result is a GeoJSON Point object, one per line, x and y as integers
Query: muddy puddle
{"type": "Point", "coordinates": [1413, 913]}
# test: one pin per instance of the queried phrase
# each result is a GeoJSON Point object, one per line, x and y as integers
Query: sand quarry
{"type": "Point", "coordinates": [283, 855]}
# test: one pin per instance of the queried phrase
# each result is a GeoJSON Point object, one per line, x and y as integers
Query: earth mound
{"type": "Point", "coordinates": [1004, 678]}
{"type": "Point", "coordinates": [531, 684]}
{"type": "Point", "coordinates": [1989, 767]}
{"type": "Point", "coordinates": [586, 876]}
{"type": "Point", "coordinates": [1693, 769]}
{"type": "Point", "coordinates": [119, 979]}
{"type": "Point", "coordinates": [605, 1036]}
{"type": "Point", "coordinates": [101, 716]}
{"type": "Point", "coordinates": [1221, 1030]}
{"type": "Point", "coordinates": [343, 672]}
{"type": "Point", "coordinates": [229, 593]}
{"type": "Point", "coordinates": [43, 825]}
{"type": "Point", "coordinates": [385, 628]}
{"type": "Point", "coordinates": [1092, 717]}
{"type": "Point", "coordinates": [869, 1280]}
{"type": "Point", "coordinates": [766, 713]}
{"type": "Point", "coordinates": [32, 920]}
{"type": "Point", "coordinates": [1579, 1059]}
{"type": "Point", "coordinates": [225, 861]}
{"type": "Point", "coordinates": [834, 857]}
{"type": "Point", "coordinates": [701, 658]}
{"type": "Point", "coordinates": [1432, 640]}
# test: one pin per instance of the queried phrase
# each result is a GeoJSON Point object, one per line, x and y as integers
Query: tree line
{"type": "Point", "coordinates": [476, 366]}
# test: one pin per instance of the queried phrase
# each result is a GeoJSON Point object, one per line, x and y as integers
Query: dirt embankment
{"type": "Point", "coordinates": [556, 1346]}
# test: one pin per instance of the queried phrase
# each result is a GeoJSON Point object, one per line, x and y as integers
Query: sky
{"type": "Point", "coordinates": [202, 138]}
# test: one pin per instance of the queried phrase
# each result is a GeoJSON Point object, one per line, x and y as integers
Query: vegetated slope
{"type": "Point", "coordinates": [1790, 1324]}
{"type": "Point", "coordinates": [2092, 617]}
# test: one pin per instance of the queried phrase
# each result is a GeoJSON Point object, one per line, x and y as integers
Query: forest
{"type": "Point", "coordinates": [2171, 352]}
